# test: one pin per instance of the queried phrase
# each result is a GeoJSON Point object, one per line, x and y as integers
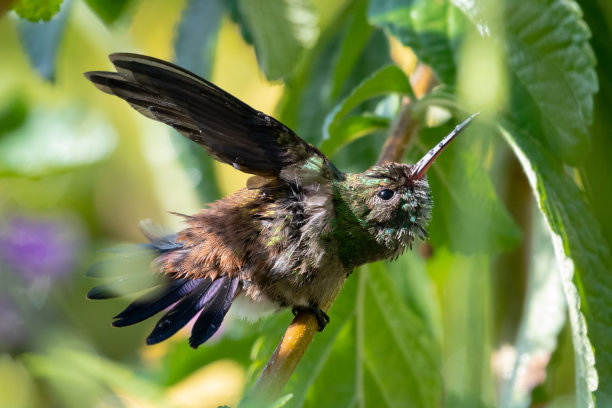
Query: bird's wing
{"type": "Point", "coordinates": [230, 130]}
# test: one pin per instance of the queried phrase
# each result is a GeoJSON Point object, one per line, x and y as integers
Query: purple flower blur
{"type": "Point", "coordinates": [34, 247]}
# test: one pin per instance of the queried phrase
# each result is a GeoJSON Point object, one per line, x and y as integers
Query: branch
{"type": "Point", "coordinates": [405, 126]}
{"type": "Point", "coordinates": [299, 334]}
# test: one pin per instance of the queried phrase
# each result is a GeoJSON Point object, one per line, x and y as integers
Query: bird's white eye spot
{"type": "Point", "coordinates": [386, 194]}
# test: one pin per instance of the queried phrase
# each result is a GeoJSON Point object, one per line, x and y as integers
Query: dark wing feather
{"type": "Point", "coordinates": [213, 312]}
{"type": "Point", "coordinates": [230, 130]}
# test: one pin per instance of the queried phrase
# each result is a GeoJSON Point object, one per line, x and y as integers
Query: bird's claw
{"type": "Point", "coordinates": [322, 317]}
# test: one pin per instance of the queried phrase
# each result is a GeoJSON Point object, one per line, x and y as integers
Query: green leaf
{"type": "Point", "coordinates": [546, 42]}
{"type": "Point", "coordinates": [41, 41]}
{"type": "Point", "coordinates": [307, 98]}
{"type": "Point", "coordinates": [36, 10]}
{"type": "Point", "coordinates": [282, 30]}
{"type": "Point", "coordinates": [109, 11]}
{"type": "Point", "coordinates": [352, 128]}
{"type": "Point", "coordinates": [552, 67]}
{"type": "Point", "coordinates": [237, 18]}
{"type": "Point", "coordinates": [552, 81]}
{"type": "Point", "coordinates": [390, 325]}
{"type": "Point", "coordinates": [386, 80]}
{"type": "Point", "coordinates": [468, 216]}
{"type": "Point", "coordinates": [424, 26]}
{"type": "Point", "coordinates": [196, 41]}
{"type": "Point", "coordinates": [410, 276]}
{"type": "Point", "coordinates": [581, 254]}
{"type": "Point", "coordinates": [358, 33]}
{"type": "Point", "coordinates": [13, 114]}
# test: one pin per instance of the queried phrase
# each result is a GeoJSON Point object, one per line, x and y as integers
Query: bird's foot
{"type": "Point", "coordinates": [322, 317]}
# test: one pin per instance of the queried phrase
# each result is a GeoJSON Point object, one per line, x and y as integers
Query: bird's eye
{"type": "Point", "coordinates": [386, 194]}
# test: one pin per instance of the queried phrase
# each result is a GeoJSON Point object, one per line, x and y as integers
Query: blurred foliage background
{"type": "Point", "coordinates": [492, 311]}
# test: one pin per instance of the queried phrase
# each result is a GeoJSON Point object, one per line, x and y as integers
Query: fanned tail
{"type": "Point", "coordinates": [185, 298]}
{"type": "Point", "coordinates": [212, 299]}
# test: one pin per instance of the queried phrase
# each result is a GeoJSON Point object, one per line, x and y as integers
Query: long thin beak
{"type": "Point", "coordinates": [420, 168]}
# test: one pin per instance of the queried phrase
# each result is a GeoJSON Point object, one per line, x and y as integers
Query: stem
{"type": "Point", "coordinates": [299, 334]}
{"type": "Point", "coordinates": [405, 126]}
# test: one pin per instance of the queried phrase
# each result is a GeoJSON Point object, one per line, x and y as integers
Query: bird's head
{"type": "Point", "coordinates": [387, 207]}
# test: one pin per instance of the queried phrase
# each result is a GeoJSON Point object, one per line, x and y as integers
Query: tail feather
{"type": "Point", "coordinates": [151, 304]}
{"type": "Point", "coordinates": [213, 313]}
{"type": "Point", "coordinates": [160, 238]}
{"type": "Point", "coordinates": [124, 262]}
{"type": "Point", "coordinates": [123, 285]}
{"type": "Point", "coordinates": [185, 298]}
{"type": "Point", "coordinates": [185, 310]}
{"type": "Point", "coordinates": [129, 270]}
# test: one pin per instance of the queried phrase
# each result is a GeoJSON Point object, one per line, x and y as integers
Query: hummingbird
{"type": "Point", "coordinates": [287, 239]}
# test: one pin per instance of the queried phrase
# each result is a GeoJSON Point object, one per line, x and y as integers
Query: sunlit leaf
{"type": "Point", "coordinates": [386, 80]}
{"type": "Point", "coordinates": [307, 98]}
{"type": "Point", "coordinates": [390, 325]}
{"type": "Point", "coordinates": [36, 10]}
{"type": "Point", "coordinates": [552, 68]}
{"type": "Point", "coordinates": [358, 33]}
{"type": "Point", "coordinates": [352, 128]}
{"type": "Point", "coordinates": [282, 401]}
{"type": "Point", "coordinates": [581, 255]}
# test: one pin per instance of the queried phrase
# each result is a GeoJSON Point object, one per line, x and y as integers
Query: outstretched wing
{"type": "Point", "coordinates": [230, 130]}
